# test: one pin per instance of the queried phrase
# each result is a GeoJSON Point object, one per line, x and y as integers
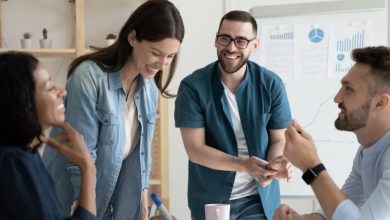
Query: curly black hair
{"type": "Point", "coordinates": [19, 123]}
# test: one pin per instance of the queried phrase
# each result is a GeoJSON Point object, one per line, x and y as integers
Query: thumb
{"type": "Point", "coordinates": [300, 130]}
{"type": "Point", "coordinates": [55, 144]}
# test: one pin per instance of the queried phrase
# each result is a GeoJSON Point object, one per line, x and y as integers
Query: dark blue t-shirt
{"type": "Point", "coordinates": [26, 189]}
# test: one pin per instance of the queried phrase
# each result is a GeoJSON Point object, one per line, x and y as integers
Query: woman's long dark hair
{"type": "Point", "coordinates": [153, 21]}
{"type": "Point", "coordinates": [19, 123]}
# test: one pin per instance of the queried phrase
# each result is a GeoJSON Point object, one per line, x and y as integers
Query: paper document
{"type": "Point", "coordinates": [311, 50]}
{"type": "Point", "coordinates": [277, 49]}
{"type": "Point", "coordinates": [343, 40]}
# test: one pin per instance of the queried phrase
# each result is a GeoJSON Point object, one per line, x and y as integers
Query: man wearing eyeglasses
{"type": "Point", "coordinates": [232, 115]}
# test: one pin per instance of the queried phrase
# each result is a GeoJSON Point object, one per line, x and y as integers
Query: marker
{"type": "Point", "coordinates": [161, 207]}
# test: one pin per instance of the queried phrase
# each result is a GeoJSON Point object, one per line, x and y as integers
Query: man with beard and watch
{"type": "Point", "coordinates": [364, 101]}
{"type": "Point", "coordinates": [232, 115]}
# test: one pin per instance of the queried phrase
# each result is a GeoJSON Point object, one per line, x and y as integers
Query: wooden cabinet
{"type": "Point", "coordinates": [160, 167]}
{"type": "Point", "coordinates": [159, 179]}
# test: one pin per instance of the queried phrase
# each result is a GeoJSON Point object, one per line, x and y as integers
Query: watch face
{"type": "Point", "coordinates": [311, 174]}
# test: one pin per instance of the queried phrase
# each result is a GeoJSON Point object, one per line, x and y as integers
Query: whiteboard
{"type": "Point", "coordinates": [311, 98]}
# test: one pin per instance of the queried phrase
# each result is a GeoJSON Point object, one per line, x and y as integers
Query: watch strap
{"type": "Point", "coordinates": [311, 174]}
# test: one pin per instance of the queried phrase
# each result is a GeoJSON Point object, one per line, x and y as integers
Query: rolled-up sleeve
{"type": "Point", "coordinates": [188, 111]}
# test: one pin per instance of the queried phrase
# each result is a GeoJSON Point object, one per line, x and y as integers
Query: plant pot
{"type": "Point", "coordinates": [45, 43]}
{"type": "Point", "coordinates": [110, 42]}
{"type": "Point", "coordinates": [26, 43]}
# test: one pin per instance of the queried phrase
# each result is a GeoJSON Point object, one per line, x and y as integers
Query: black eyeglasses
{"type": "Point", "coordinates": [225, 40]}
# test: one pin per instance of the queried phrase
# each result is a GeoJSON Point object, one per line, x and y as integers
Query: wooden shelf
{"type": "Point", "coordinates": [67, 53]}
{"type": "Point", "coordinates": [45, 52]}
{"type": "Point", "coordinates": [154, 182]}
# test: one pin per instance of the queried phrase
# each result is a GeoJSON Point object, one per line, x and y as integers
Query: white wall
{"type": "Point", "coordinates": [201, 19]}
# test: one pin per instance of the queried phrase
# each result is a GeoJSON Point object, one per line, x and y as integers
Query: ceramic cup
{"type": "Point", "coordinates": [217, 211]}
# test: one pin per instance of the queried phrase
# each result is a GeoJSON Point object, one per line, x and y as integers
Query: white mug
{"type": "Point", "coordinates": [217, 211]}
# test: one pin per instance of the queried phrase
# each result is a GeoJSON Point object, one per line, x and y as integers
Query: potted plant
{"type": "Point", "coordinates": [26, 41]}
{"type": "Point", "coordinates": [44, 42]}
{"type": "Point", "coordinates": [110, 39]}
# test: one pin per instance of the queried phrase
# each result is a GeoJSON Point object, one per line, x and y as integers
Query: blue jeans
{"type": "Point", "coordinates": [246, 208]}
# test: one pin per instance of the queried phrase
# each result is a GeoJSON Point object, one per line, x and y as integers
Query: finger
{"type": "Point", "coordinates": [282, 212]}
{"type": "Point", "coordinates": [296, 125]}
{"type": "Point", "coordinates": [285, 210]}
{"type": "Point", "coordinates": [258, 161]}
{"type": "Point", "coordinates": [269, 167]}
{"type": "Point", "coordinates": [289, 167]}
{"type": "Point", "coordinates": [277, 214]}
{"type": "Point", "coordinates": [290, 175]}
{"type": "Point", "coordinates": [278, 159]}
{"type": "Point", "coordinates": [290, 178]}
{"type": "Point", "coordinates": [296, 129]}
{"type": "Point", "coordinates": [300, 130]}
{"type": "Point", "coordinates": [55, 144]}
{"type": "Point", "coordinates": [265, 172]}
{"type": "Point", "coordinates": [289, 133]}
{"type": "Point", "coordinates": [68, 129]}
{"type": "Point", "coordinates": [61, 137]}
{"type": "Point", "coordinates": [262, 180]}
{"type": "Point", "coordinates": [265, 182]}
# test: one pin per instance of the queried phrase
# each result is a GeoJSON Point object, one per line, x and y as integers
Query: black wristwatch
{"type": "Point", "coordinates": [311, 174]}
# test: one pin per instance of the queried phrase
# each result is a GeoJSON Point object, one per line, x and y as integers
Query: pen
{"type": "Point", "coordinates": [161, 207]}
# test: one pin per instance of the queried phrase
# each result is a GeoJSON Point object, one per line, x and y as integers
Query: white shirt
{"type": "Point", "coordinates": [132, 125]}
{"type": "Point", "coordinates": [244, 184]}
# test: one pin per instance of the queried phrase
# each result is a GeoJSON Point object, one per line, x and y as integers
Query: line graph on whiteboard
{"type": "Point", "coordinates": [315, 110]}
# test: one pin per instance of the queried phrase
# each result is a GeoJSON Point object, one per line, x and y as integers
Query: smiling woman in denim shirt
{"type": "Point", "coordinates": [112, 101]}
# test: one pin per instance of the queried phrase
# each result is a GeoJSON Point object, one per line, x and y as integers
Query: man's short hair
{"type": "Point", "coordinates": [378, 58]}
{"type": "Point", "coordinates": [241, 16]}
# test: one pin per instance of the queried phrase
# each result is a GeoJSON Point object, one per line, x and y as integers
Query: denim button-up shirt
{"type": "Point", "coordinates": [95, 106]}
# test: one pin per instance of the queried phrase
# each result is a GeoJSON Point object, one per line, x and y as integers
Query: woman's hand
{"type": "Point", "coordinates": [71, 144]}
{"type": "Point", "coordinates": [144, 205]}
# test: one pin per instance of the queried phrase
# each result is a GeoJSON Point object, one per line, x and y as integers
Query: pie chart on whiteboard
{"type": "Point", "coordinates": [316, 35]}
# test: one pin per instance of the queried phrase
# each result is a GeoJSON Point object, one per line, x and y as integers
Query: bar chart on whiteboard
{"type": "Point", "coordinates": [343, 40]}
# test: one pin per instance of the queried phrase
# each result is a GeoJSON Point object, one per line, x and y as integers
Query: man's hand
{"type": "Point", "coordinates": [300, 148]}
{"type": "Point", "coordinates": [283, 167]}
{"type": "Point", "coordinates": [285, 212]}
{"type": "Point", "coordinates": [256, 168]}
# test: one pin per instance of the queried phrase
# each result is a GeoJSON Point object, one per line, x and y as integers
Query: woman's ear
{"type": "Point", "coordinates": [132, 37]}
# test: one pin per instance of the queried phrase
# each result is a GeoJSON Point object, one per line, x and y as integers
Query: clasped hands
{"type": "Point", "coordinates": [264, 172]}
